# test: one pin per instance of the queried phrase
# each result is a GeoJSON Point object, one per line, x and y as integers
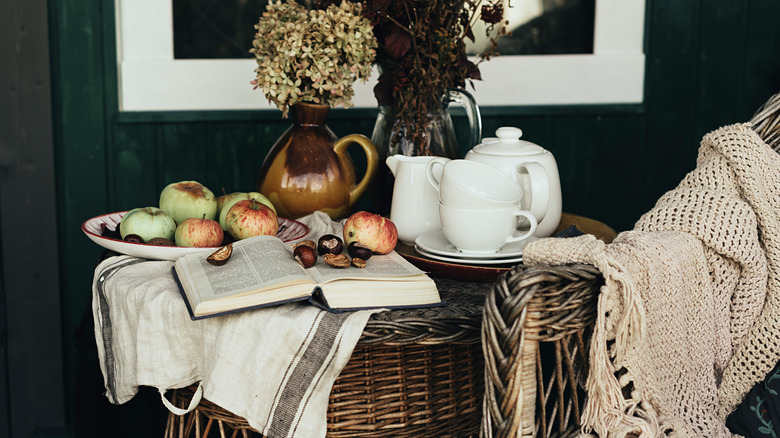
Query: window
{"type": "Point", "coordinates": [214, 29]}
{"type": "Point", "coordinates": [152, 79]}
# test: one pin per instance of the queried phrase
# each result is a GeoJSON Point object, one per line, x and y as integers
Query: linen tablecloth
{"type": "Point", "coordinates": [273, 366]}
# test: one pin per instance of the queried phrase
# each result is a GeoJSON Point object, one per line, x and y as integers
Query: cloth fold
{"type": "Point", "coordinates": [274, 366]}
{"type": "Point", "coordinates": [688, 316]}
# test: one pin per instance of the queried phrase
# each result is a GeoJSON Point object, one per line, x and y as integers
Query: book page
{"type": "Point", "coordinates": [257, 263]}
{"type": "Point", "coordinates": [379, 267]}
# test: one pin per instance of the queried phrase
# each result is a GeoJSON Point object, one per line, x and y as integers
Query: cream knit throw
{"type": "Point", "coordinates": [689, 317]}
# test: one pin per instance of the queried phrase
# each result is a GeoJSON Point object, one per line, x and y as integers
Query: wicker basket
{"type": "Point", "coordinates": [414, 373]}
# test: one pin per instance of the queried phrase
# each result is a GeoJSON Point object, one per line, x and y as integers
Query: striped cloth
{"type": "Point", "coordinates": [274, 366]}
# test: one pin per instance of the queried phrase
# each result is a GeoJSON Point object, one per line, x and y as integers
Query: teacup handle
{"type": "Point", "coordinates": [540, 187]}
{"type": "Point", "coordinates": [429, 172]}
{"type": "Point", "coordinates": [531, 218]}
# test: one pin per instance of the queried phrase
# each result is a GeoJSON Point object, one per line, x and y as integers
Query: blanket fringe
{"type": "Point", "coordinates": [607, 409]}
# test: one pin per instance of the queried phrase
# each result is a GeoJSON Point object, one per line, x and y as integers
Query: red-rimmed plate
{"type": "Point", "coordinates": [289, 230]}
{"type": "Point", "coordinates": [457, 271]}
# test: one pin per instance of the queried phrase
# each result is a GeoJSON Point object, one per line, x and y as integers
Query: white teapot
{"type": "Point", "coordinates": [532, 167]}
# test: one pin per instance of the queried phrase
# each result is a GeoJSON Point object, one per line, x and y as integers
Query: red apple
{"type": "Point", "coordinates": [199, 232]}
{"type": "Point", "coordinates": [249, 218]}
{"type": "Point", "coordinates": [374, 231]}
{"type": "Point", "coordinates": [224, 203]}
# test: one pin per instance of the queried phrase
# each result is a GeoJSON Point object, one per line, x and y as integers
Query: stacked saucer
{"type": "Point", "coordinates": [434, 245]}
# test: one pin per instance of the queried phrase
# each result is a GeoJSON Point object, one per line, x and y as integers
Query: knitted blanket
{"type": "Point", "coordinates": [689, 314]}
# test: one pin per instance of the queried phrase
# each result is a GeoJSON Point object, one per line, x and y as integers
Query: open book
{"type": "Point", "coordinates": [263, 272]}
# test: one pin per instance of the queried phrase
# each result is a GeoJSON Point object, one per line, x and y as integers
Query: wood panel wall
{"type": "Point", "coordinates": [709, 63]}
{"type": "Point", "coordinates": [31, 366]}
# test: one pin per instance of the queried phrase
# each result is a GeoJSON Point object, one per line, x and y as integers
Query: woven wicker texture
{"type": "Point", "coordinates": [534, 332]}
{"type": "Point", "coordinates": [414, 373]}
{"type": "Point", "coordinates": [766, 122]}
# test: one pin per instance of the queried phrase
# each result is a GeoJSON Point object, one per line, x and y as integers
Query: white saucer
{"type": "Point", "coordinates": [469, 261]}
{"type": "Point", "coordinates": [434, 242]}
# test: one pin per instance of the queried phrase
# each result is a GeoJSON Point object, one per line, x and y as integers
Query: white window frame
{"type": "Point", "coordinates": [150, 79]}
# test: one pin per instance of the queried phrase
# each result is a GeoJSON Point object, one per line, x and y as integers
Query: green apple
{"type": "Point", "coordinates": [224, 199]}
{"type": "Point", "coordinates": [188, 199]}
{"type": "Point", "coordinates": [262, 199]}
{"type": "Point", "coordinates": [147, 222]}
{"type": "Point", "coordinates": [199, 232]}
{"type": "Point", "coordinates": [231, 199]}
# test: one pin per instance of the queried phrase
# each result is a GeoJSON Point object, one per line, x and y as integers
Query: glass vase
{"type": "Point", "coordinates": [438, 139]}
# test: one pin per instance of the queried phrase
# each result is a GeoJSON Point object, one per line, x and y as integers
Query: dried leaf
{"type": "Point", "coordinates": [422, 52]}
{"type": "Point", "coordinates": [469, 33]}
{"type": "Point", "coordinates": [382, 4]}
{"type": "Point", "coordinates": [397, 42]}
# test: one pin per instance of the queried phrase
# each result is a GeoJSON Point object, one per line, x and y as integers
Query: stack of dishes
{"type": "Point", "coordinates": [434, 245]}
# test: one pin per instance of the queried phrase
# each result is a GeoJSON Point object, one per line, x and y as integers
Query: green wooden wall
{"type": "Point", "coordinates": [709, 63]}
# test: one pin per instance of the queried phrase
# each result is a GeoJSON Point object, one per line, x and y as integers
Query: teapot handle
{"type": "Point", "coordinates": [540, 188]}
{"type": "Point", "coordinates": [372, 161]}
{"type": "Point", "coordinates": [465, 99]}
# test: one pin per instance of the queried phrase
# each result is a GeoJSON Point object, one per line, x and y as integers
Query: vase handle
{"type": "Point", "coordinates": [467, 101]}
{"type": "Point", "coordinates": [372, 161]}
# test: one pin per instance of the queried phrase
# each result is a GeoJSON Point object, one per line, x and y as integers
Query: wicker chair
{"type": "Point", "coordinates": [535, 339]}
{"type": "Point", "coordinates": [535, 334]}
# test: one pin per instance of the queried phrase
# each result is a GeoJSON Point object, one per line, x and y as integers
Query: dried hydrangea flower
{"type": "Point", "coordinates": [312, 55]}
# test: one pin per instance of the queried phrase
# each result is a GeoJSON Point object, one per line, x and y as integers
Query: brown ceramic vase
{"type": "Point", "coordinates": [309, 169]}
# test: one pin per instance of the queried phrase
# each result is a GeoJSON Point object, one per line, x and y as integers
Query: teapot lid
{"type": "Point", "coordinates": [508, 143]}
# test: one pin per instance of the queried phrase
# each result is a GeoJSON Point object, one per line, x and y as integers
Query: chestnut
{"type": "Point", "coordinates": [337, 260]}
{"type": "Point", "coordinates": [221, 256]}
{"type": "Point", "coordinates": [227, 239]}
{"type": "Point", "coordinates": [111, 234]}
{"type": "Point", "coordinates": [134, 238]}
{"type": "Point", "coordinates": [359, 250]}
{"type": "Point", "coordinates": [305, 255]}
{"type": "Point", "coordinates": [330, 244]}
{"type": "Point", "coordinates": [309, 243]}
{"type": "Point", "coordinates": [161, 241]}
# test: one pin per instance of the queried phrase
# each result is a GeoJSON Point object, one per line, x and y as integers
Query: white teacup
{"type": "Point", "coordinates": [483, 231]}
{"type": "Point", "coordinates": [469, 184]}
